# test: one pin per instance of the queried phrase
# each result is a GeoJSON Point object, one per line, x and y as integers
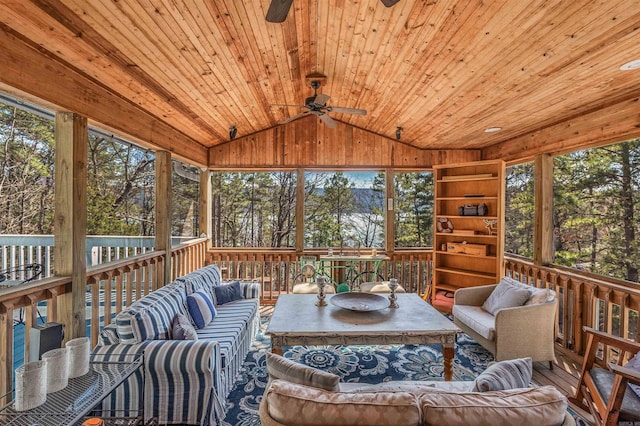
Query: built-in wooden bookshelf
{"type": "Point", "coordinates": [456, 186]}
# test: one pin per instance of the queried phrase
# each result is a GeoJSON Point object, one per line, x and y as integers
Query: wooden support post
{"type": "Point", "coordinates": [204, 218]}
{"type": "Point", "coordinates": [299, 210]}
{"type": "Point", "coordinates": [6, 352]}
{"type": "Point", "coordinates": [389, 217]}
{"type": "Point", "coordinates": [543, 222]}
{"type": "Point", "coordinates": [163, 212]}
{"type": "Point", "coordinates": [70, 220]}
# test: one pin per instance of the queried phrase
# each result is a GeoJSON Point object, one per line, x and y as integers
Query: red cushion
{"type": "Point", "coordinates": [443, 301]}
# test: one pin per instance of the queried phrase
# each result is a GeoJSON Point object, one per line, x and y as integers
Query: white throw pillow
{"type": "Point", "coordinates": [507, 294]}
{"type": "Point", "coordinates": [505, 375]}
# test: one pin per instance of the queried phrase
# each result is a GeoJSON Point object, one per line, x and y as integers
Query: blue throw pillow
{"type": "Point", "coordinates": [228, 292]}
{"type": "Point", "coordinates": [201, 308]}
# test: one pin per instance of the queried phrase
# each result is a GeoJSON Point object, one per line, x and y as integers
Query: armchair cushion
{"type": "Point", "coordinates": [634, 364]}
{"type": "Point", "coordinates": [603, 379]}
{"type": "Point", "coordinates": [505, 375]}
{"type": "Point", "coordinates": [507, 294]}
{"type": "Point", "coordinates": [481, 321]}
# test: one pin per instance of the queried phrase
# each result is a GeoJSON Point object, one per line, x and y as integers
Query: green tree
{"type": "Point", "coordinates": [413, 209]}
{"type": "Point", "coordinates": [519, 210]}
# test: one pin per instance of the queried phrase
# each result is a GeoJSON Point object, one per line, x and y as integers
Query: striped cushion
{"type": "Point", "coordinates": [202, 279]}
{"type": "Point", "coordinates": [280, 367]}
{"type": "Point", "coordinates": [108, 336]}
{"type": "Point", "coordinates": [150, 317]}
{"type": "Point", "coordinates": [250, 290]}
{"type": "Point", "coordinates": [505, 375]}
{"type": "Point", "coordinates": [201, 308]}
{"type": "Point", "coordinates": [229, 324]}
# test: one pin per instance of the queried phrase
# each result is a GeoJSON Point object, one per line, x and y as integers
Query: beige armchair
{"type": "Point", "coordinates": [522, 331]}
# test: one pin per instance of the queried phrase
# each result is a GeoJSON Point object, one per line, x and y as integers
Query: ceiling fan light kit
{"type": "Point", "coordinates": [317, 105]}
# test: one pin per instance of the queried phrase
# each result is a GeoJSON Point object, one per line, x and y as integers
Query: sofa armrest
{"type": "Point", "coordinates": [250, 289]}
{"type": "Point", "coordinates": [473, 296]}
{"type": "Point", "coordinates": [183, 379]}
{"type": "Point", "coordinates": [526, 329]}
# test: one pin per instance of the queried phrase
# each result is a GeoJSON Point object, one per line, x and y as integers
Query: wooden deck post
{"type": "Point", "coordinates": [543, 221]}
{"type": "Point", "coordinates": [163, 212]}
{"type": "Point", "coordinates": [389, 217]}
{"type": "Point", "coordinates": [299, 210]}
{"type": "Point", "coordinates": [204, 219]}
{"type": "Point", "coordinates": [70, 221]}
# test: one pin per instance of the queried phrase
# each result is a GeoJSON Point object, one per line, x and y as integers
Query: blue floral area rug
{"type": "Point", "coordinates": [362, 364]}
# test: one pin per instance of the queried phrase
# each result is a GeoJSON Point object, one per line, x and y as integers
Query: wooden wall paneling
{"type": "Point", "coordinates": [309, 143]}
{"type": "Point", "coordinates": [70, 224]}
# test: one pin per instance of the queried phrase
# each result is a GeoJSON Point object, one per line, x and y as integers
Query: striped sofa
{"type": "Point", "coordinates": [183, 381]}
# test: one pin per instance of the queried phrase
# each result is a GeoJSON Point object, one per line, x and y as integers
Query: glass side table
{"type": "Point", "coordinates": [69, 406]}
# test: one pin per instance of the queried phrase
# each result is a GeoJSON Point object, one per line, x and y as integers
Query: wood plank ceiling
{"type": "Point", "coordinates": [442, 70]}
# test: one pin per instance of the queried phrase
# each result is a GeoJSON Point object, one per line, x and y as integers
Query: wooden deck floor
{"type": "Point", "coordinates": [564, 376]}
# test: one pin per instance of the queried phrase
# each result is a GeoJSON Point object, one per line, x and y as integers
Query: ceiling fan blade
{"type": "Point", "coordinates": [389, 3]}
{"type": "Point", "coordinates": [295, 117]}
{"type": "Point", "coordinates": [348, 110]}
{"type": "Point", "coordinates": [328, 121]}
{"type": "Point", "coordinates": [321, 99]}
{"type": "Point", "coordinates": [289, 105]}
{"type": "Point", "coordinates": [278, 10]}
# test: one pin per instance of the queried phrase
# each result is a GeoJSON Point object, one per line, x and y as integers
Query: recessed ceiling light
{"type": "Point", "coordinates": [633, 65]}
{"type": "Point", "coordinates": [492, 129]}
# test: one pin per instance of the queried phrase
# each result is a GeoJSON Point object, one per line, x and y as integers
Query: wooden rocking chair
{"type": "Point", "coordinates": [604, 392]}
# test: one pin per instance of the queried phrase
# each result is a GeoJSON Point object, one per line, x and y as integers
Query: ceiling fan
{"type": "Point", "coordinates": [278, 9]}
{"type": "Point", "coordinates": [317, 105]}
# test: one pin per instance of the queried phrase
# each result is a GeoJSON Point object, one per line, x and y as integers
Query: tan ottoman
{"type": "Point", "coordinates": [311, 288]}
{"type": "Point", "coordinates": [379, 287]}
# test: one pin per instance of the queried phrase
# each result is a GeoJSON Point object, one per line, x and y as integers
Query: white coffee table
{"type": "Point", "coordinates": [297, 321]}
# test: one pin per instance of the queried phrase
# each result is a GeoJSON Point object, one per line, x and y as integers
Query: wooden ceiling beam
{"type": "Point", "coordinates": [614, 123]}
{"type": "Point", "coordinates": [30, 69]}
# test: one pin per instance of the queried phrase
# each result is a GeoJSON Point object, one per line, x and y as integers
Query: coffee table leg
{"type": "Point", "coordinates": [448, 352]}
{"type": "Point", "coordinates": [276, 344]}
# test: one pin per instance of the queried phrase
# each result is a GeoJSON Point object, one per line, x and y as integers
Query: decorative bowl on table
{"type": "Point", "coordinates": [360, 302]}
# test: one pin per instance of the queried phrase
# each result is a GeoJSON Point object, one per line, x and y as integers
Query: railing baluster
{"type": "Point", "coordinates": [108, 288]}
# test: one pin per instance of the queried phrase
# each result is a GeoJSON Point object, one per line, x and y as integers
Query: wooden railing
{"type": "Point", "coordinates": [276, 269]}
{"type": "Point", "coordinates": [18, 250]}
{"type": "Point", "coordinates": [110, 288]}
{"type": "Point", "coordinates": [585, 299]}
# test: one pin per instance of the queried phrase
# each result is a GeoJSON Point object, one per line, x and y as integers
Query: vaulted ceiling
{"type": "Point", "coordinates": [176, 74]}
